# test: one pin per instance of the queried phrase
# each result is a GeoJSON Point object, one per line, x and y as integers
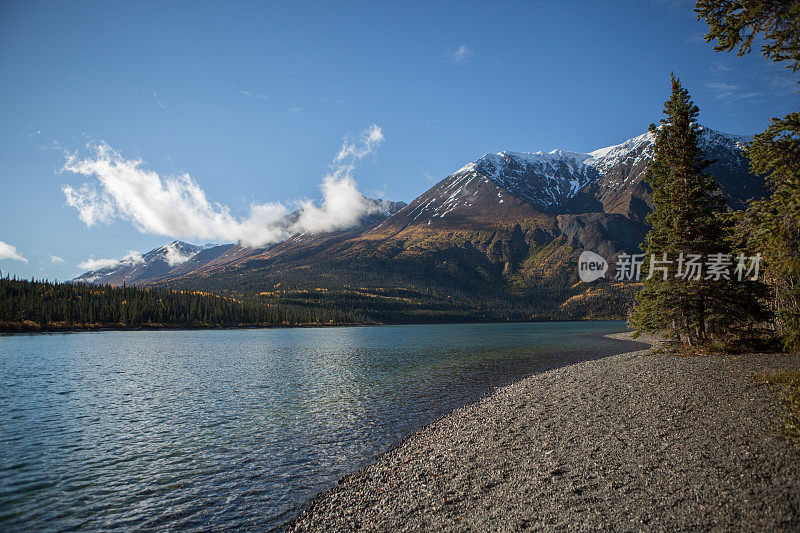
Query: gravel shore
{"type": "Point", "coordinates": [625, 443]}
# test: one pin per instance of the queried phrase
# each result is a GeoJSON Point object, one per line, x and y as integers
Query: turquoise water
{"type": "Point", "coordinates": [236, 428]}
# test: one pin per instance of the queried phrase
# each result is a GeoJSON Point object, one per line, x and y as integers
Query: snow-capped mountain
{"type": "Point", "coordinates": [640, 148]}
{"type": "Point", "coordinates": [551, 179]}
{"type": "Point", "coordinates": [136, 268]}
{"type": "Point", "coordinates": [560, 182]}
{"type": "Point", "coordinates": [543, 179]}
{"type": "Point", "coordinates": [178, 258]}
{"type": "Point", "coordinates": [506, 224]}
{"type": "Point", "coordinates": [622, 168]}
{"type": "Point", "coordinates": [607, 180]}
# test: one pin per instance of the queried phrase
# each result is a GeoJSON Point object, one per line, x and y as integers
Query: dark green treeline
{"type": "Point", "coordinates": [32, 305]}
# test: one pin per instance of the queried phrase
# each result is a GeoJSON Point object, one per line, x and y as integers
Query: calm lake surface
{"type": "Point", "coordinates": [236, 429]}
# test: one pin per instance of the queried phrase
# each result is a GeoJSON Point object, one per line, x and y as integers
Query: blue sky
{"type": "Point", "coordinates": [254, 99]}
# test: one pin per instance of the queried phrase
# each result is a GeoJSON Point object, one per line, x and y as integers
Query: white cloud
{"type": "Point", "coordinates": [718, 67]}
{"type": "Point", "coordinates": [783, 85]}
{"type": "Point", "coordinates": [174, 256]}
{"type": "Point", "coordinates": [722, 86]}
{"type": "Point", "coordinates": [92, 206]}
{"type": "Point", "coordinates": [159, 103]}
{"type": "Point", "coordinates": [255, 96]}
{"type": "Point", "coordinates": [176, 206]}
{"type": "Point", "coordinates": [7, 251]}
{"type": "Point", "coordinates": [461, 54]}
{"type": "Point", "coordinates": [133, 258]}
{"type": "Point", "coordinates": [727, 91]}
{"type": "Point", "coordinates": [55, 259]}
{"type": "Point", "coordinates": [350, 152]}
{"type": "Point", "coordinates": [693, 38]}
{"type": "Point", "coordinates": [98, 264]}
{"type": "Point", "coordinates": [342, 204]}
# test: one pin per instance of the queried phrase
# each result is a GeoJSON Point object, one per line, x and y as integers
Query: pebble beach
{"type": "Point", "coordinates": [637, 441]}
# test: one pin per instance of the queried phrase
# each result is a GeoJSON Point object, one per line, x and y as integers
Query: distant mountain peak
{"type": "Point", "coordinates": [709, 138]}
{"type": "Point", "coordinates": [545, 179]}
{"type": "Point", "coordinates": [179, 256]}
{"type": "Point", "coordinates": [560, 181]}
{"type": "Point", "coordinates": [549, 179]}
{"type": "Point", "coordinates": [137, 267]}
{"type": "Point", "coordinates": [640, 148]}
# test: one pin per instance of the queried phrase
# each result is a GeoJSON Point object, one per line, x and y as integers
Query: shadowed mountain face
{"type": "Point", "coordinates": [508, 227]}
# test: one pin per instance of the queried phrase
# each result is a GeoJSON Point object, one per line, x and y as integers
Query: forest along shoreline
{"type": "Point", "coordinates": [20, 329]}
{"type": "Point", "coordinates": [29, 306]}
{"type": "Point", "coordinates": [16, 328]}
{"type": "Point", "coordinates": [631, 441]}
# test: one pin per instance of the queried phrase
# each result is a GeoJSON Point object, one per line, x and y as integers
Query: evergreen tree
{"type": "Point", "coordinates": [682, 222]}
{"type": "Point", "coordinates": [689, 224]}
{"type": "Point", "coordinates": [772, 225]}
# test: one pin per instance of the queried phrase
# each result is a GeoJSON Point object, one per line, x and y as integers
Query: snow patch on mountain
{"type": "Point", "coordinates": [711, 139]}
{"type": "Point", "coordinates": [640, 148]}
{"type": "Point", "coordinates": [545, 179]}
{"type": "Point", "coordinates": [548, 179]}
{"type": "Point", "coordinates": [629, 152]}
{"type": "Point", "coordinates": [135, 265]}
{"type": "Point", "coordinates": [174, 254]}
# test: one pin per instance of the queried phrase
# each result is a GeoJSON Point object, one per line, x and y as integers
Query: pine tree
{"type": "Point", "coordinates": [688, 221]}
{"type": "Point", "coordinates": [772, 225]}
{"type": "Point", "coordinates": [681, 222]}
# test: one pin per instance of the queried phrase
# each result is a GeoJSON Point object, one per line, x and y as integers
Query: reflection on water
{"type": "Point", "coordinates": [215, 429]}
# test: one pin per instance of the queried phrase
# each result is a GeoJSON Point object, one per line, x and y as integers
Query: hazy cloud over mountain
{"type": "Point", "coordinates": [133, 258]}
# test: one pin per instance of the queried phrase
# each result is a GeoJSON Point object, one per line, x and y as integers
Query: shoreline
{"type": "Point", "coordinates": [649, 340]}
{"type": "Point", "coordinates": [568, 448]}
{"type": "Point", "coordinates": [107, 328]}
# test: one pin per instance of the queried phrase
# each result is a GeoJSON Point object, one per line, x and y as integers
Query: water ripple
{"type": "Point", "coordinates": [233, 429]}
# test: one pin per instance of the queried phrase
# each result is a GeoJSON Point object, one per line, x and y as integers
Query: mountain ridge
{"type": "Point", "coordinates": [506, 226]}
